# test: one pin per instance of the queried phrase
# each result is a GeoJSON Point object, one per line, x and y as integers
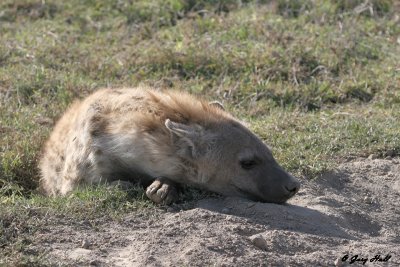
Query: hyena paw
{"type": "Point", "coordinates": [162, 191]}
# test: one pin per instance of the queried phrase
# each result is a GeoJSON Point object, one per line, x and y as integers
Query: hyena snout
{"type": "Point", "coordinates": [292, 187]}
{"type": "Point", "coordinates": [279, 186]}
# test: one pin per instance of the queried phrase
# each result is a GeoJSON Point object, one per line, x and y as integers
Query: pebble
{"type": "Point", "coordinates": [368, 200]}
{"type": "Point", "coordinates": [170, 209]}
{"type": "Point", "coordinates": [388, 158]}
{"type": "Point", "coordinates": [85, 244]}
{"type": "Point", "coordinates": [205, 216]}
{"type": "Point", "coordinates": [338, 262]}
{"type": "Point", "coordinates": [259, 241]}
{"type": "Point", "coordinates": [373, 156]}
{"type": "Point", "coordinates": [94, 263]}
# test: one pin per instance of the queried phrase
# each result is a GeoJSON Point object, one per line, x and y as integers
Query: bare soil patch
{"type": "Point", "coordinates": [354, 210]}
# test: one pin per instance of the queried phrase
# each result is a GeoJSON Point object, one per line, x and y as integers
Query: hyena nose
{"type": "Point", "coordinates": [293, 187]}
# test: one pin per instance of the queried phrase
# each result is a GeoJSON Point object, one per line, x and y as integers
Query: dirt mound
{"type": "Point", "coordinates": [354, 210]}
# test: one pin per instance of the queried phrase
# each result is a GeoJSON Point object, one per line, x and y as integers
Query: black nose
{"type": "Point", "coordinates": [293, 188]}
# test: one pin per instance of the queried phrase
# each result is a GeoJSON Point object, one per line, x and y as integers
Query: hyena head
{"type": "Point", "coordinates": [231, 160]}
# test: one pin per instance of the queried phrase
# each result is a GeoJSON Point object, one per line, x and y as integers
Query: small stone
{"type": "Point", "coordinates": [368, 200]}
{"type": "Point", "coordinates": [85, 244]}
{"type": "Point", "coordinates": [171, 209]}
{"type": "Point", "coordinates": [388, 158]}
{"type": "Point", "coordinates": [259, 241]}
{"type": "Point", "coordinates": [94, 263]}
{"type": "Point", "coordinates": [373, 156]}
{"type": "Point", "coordinates": [338, 262]}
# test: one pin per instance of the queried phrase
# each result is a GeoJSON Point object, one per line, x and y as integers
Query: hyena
{"type": "Point", "coordinates": [161, 139]}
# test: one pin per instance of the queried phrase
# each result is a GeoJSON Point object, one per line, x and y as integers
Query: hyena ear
{"type": "Point", "coordinates": [216, 104]}
{"type": "Point", "coordinates": [188, 138]}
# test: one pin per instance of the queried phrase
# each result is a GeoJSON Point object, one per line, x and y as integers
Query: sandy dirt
{"type": "Point", "coordinates": [354, 210]}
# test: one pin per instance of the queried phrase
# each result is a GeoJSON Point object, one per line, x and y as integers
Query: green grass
{"type": "Point", "coordinates": [319, 81]}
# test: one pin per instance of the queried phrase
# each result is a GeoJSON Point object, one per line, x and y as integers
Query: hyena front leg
{"type": "Point", "coordinates": [75, 172]}
{"type": "Point", "coordinates": [70, 177]}
{"type": "Point", "coordinates": [80, 166]}
{"type": "Point", "coordinates": [162, 191]}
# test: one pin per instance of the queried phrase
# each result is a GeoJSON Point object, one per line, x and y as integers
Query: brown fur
{"type": "Point", "coordinates": [141, 134]}
{"type": "Point", "coordinates": [112, 111]}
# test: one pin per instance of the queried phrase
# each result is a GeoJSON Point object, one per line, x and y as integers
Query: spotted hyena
{"type": "Point", "coordinates": [162, 139]}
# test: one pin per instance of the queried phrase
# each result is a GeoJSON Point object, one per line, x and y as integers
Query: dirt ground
{"type": "Point", "coordinates": [353, 212]}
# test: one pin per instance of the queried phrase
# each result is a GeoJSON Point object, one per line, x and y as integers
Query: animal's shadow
{"type": "Point", "coordinates": [279, 217]}
{"type": "Point", "coordinates": [325, 217]}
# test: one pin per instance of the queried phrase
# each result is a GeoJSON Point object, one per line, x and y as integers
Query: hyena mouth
{"type": "Point", "coordinates": [252, 196]}
{"type": "Point", "coordinates": [246, 194]}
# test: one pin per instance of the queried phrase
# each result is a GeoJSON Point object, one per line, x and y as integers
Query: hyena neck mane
{"type": "Point", "coordinates": [173, 131]}
{"type": "Point", "coordinates": [190, 126]}
{"type": "Point", "coordinates": [182, 108]}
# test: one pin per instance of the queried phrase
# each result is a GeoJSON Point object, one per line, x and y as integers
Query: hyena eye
{"type": "Point", "coordinates": [248, 164]}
